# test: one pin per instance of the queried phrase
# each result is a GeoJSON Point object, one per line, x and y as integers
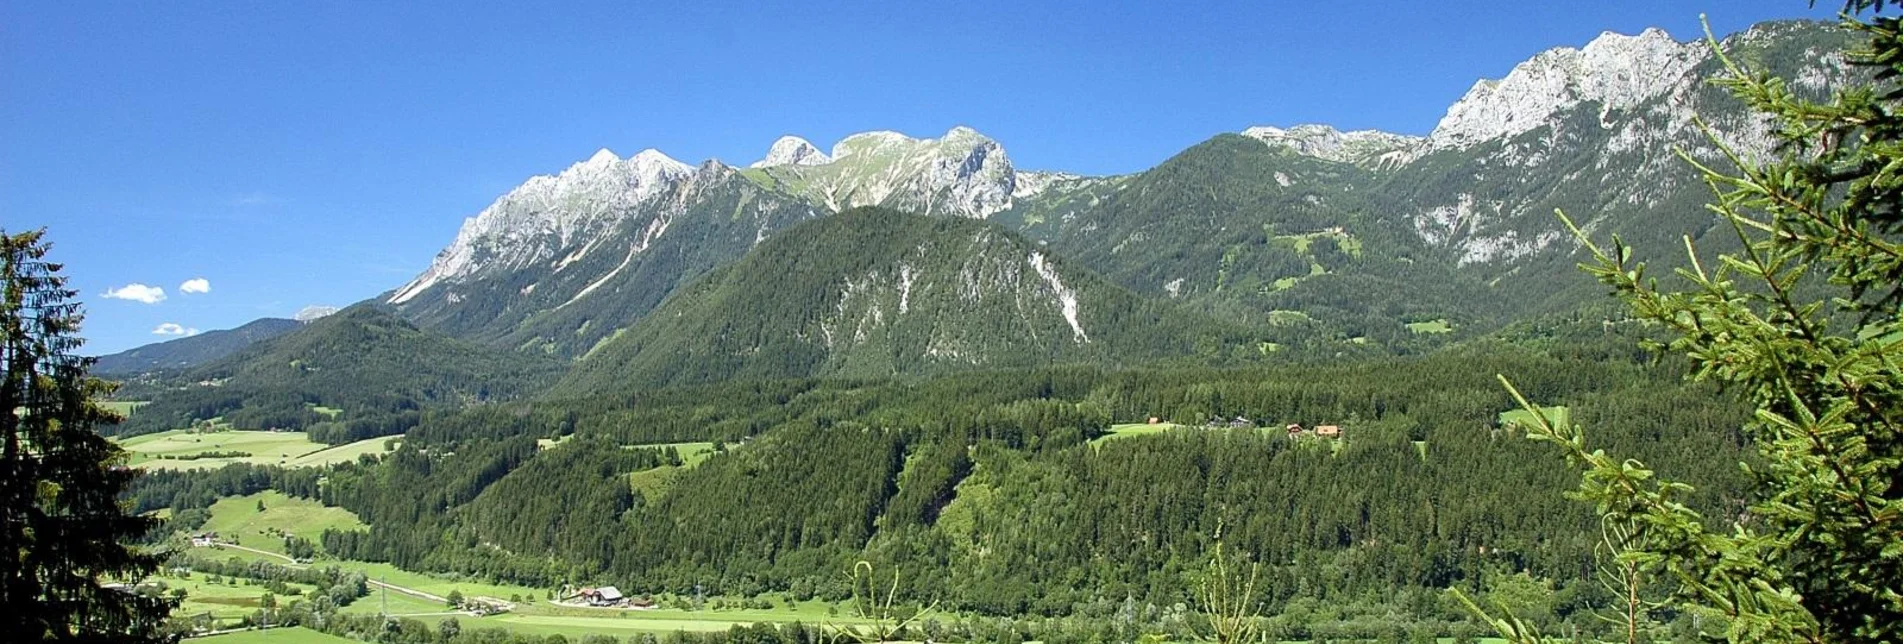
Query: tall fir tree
{"type": "Point", "coordinates": [1806, 321]}
{"type": "Point", "coordinates": [63, 531]}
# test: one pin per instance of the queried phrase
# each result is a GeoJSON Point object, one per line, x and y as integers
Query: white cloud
{"type": "Point", "coordinates": [136, 292]}
{"type": "Point", "coordinates": [170, 328]}
{"type": "Point", "coordinates": [195, 285]}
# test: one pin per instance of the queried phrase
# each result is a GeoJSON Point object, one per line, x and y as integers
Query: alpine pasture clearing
{"type": "Point", "coordinates": [238, 519]}
{"type": "Point", "coordinates": [121, 407]}
{"type": "Point", "coordinates": [1431, 326]}
{"type": "Point", "coordinates": [1132, 430]}
{"type": "Point", "coordinates": [174, 449]}
{"type": "Point", "coordinates": [653, 482]}
{"type": "Point", "coordinates": [178, 448]}
{"type": "Point", "coordinates": [1525, 419]}
{"type": "Point", "coordinates": [346, 452]}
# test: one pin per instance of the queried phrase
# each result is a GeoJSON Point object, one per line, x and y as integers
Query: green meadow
{"type": "Point", "coordinates": [238, 518]}
{"type": "Point", "coordinates": [188, 449]}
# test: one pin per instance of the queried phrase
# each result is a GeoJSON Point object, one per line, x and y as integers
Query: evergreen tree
{"type": "Point", "coordinates": [1806, 320]}
{"type": "Point", "coordinates": [62, 529]}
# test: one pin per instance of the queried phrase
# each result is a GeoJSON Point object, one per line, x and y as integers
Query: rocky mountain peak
{"type": "Point", "coordinates": [792, 150]}
{"type": "Point", "coordinates": [963, 173]}
{"type": "Point", "coordinates": [548, 214]}
{"type": "Point", "coordinates": [1614, 70]}
{"type": "Point", "coordinates": [1370, 148]}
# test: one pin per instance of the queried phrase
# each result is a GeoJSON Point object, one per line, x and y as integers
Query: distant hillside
{"type": "Point", "coordinates": [359, 373]}
{"type": "Point", "coordinates": [193, 351]}
{"type": "Point", "coordinates": [877, 293]}
{"type": "Point", "coordinates": [1262, 233]}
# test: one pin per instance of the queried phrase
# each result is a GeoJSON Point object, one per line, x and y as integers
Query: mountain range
{"type": "Point", "coordinates": [647, 270]}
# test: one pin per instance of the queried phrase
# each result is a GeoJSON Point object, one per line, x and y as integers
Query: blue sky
{"type": "Point", "coordinates": [322, 152]}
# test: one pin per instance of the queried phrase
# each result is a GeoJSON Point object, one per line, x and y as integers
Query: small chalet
{"type": "Point", "coordinates": [1328, 431]}
{"type": "Point", "coordinates": [1155, 421]}
{"type": "Point", "coordinates": [1295, 429]}
{"type": "Point", "coordinates": [205, 540]}
{"type": "Point", "coordinates": [1241, 422]}
{"type": "Point", "coordinates": [603, 596]}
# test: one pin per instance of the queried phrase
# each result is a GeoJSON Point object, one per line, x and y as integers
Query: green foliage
{"type": "Point", "coordinates": [1803, 320]}
{"type": "Point", "coordinates": [380, 370]}
{"type": "Point", "coordinates": [984, 492]}
{"type": "Point", "coordinates": [63, 534]}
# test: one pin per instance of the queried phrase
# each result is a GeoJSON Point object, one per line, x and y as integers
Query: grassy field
{"type": "Point", "coordinates": [656, 481]}
{"type": "Point", "coordinates": [1431, 326]}
{"type": "Point", "coordinates": [1285, 317]}
{"type": "Point", "coordinates": [344, 453]}
{"type": "Point", "coordinates": [224, 601]}
{"type": "Point", "coordinates": [691, 453]}
{"type": "Point", "coordinates": [1558, 415]}
{"type": "Point", "coordinates": [237, 518]}
{"type": "Point", "coordinates": [543, 618]}
{"type": "Point", "coordinates": [290, 449]}
{"type": "Point", "coordinates": [294, 635]}
{"type": "Point", "coordinates": [151, 450]}
{"type": "Point", "coordinates": [122, 407]}
{"type": "Point", "coordinates": [396, 603]}
{"type": "Point", "coordinates": [1130, 430]}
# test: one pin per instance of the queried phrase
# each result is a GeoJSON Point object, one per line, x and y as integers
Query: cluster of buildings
{"type": "Point", "coordinates": [1294, 429]}
{"type": "Point", "coordinates": [609, 597]}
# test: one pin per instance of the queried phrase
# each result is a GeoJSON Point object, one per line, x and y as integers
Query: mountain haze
{"type": "Point", "coordinates": [195, 350]}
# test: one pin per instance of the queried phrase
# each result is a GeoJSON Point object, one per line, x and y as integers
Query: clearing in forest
{"type": "Point", "coordinates": [238, 519]}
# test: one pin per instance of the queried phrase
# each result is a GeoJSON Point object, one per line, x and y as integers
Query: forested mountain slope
{"type": "Point", "coordinates": [376, 369]}
{"type": "Point", "coordinates": [193, 351]}
{"type": "Point", "coordinates": [875, 293]}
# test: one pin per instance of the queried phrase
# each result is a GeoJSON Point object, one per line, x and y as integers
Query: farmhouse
{"type": "Point", "coordinates": [1328, 431]}
{"type": "Point", "coordinates": [1295, 429]}
{"type": "Point", "coordinates": [205, 540]}
{"type": "Point", "coordinates": [603, 596]}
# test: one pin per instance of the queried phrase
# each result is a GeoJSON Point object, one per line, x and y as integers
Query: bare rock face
{"type": "Point", "coordinates": [1371, 149]}
{"type": "Point", "coordinates": [962, 173]}
{"type": "Point", "coordinates": [1614, 70]}
{"type": "Point", "coordinates": [792, 150]}
{"type": "Point", "coordinates": [549, 214]}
